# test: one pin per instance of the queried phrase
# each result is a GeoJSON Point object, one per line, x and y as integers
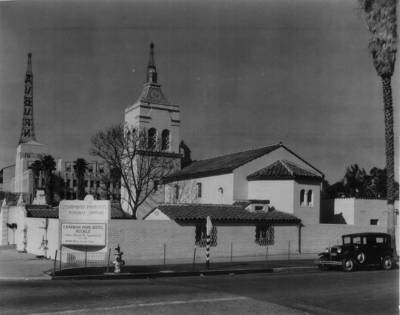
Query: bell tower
{"type": "Point", "coordinates": [153, 110]}
{"type": "Point", "coordinates": [28, 149]}
{"type": "Point", "coordinates": [158, 118]}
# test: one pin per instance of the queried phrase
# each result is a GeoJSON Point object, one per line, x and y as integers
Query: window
{"type": "Point", "coordinates": [86, 183]}
{"type": "Point", "coordinates": [201, 235]}
{"type": "Point", "coordinates": [156, 183]}
{"type": "Point", "coordinates": [151, 138]}
{"type": "Point", "coordinates": [310, 198]}
{"type": "Point", "coordinates": [97, 184]}
{"type": "Point", "coordinates": [74, 183]}
{"type": "Point", "coordinates": [176, 192]}
{"type": "Point", "coordinates": [346, 240]}
{"type": "Point", "coordinates": [165, 140]}
{"type": "Point", "coordinates": [302, 197]}
{"type": "Point", "coordinates": [258, 208]}
{"type": "Point", "coordinates": [380, 240]}
{"type": "Point", "coordinates": [373, 222]}
{"type": "Point", "coordinates": [199, 192]}
{"type": "Point", "coordinates": [68, 182]}
{"type": "Point", "coordinates": [357, 240]}
{"type": "Point", "coordinates": [265, 235]}
{"type": "Point", "coordinates": [91, 184]}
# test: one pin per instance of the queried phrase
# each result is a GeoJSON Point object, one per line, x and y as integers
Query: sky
{"type": "Point", "coordinates": [246, 74]}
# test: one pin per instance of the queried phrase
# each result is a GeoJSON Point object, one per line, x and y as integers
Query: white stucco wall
{"type": "Point", "coordinates": [345, 206]}
{"type": "Point", "coordinates": [362, 211]}
{"type": "Point", "coordinates": [210, 186]}
{"type": "Point", "coordinates": [26, 154]}
{"type": "Point", "coordinates": [157, 215]}
{"type": "Point", "coordinates": [159, 117]}
{"type": "Point", "coordinates": [308, 213]}
{"type": "Point", "coordinates": [240, 174]}
{"type": "Point", "coordinates": [278, 192]}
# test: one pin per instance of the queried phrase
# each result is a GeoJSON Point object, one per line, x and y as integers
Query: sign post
{"type": "Point", "coordinates": [209, 230]}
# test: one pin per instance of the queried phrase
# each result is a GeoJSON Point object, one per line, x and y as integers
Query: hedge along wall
{"type": "Point", "coordinates": [144, 241]}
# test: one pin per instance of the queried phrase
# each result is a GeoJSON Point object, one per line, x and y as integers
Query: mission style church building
{"type": "Point", "coordinates": [255, 181]}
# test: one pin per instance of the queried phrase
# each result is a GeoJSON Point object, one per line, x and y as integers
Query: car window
{"type": "Point", "coordinates": [380, 240]}
{"type": "Point", "coordinates": [356, 240]}
{"type": "Point", "coordinates": [346, 240]}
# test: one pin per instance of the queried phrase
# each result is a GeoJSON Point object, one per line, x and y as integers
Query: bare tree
{"type": "Point", "coordinates": [138, 157]}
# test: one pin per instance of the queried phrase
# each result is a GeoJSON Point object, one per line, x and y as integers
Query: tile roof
{"type": "Point", "coordinates": [219, 165]}
{"type": "Point", "coordinates": [41, 211]}
{"type": "Point", "coordinates": [283, 169]}
{"type": "Point", "coordinates": [45, 211]}
{"type": "Point", "coordinates": [223, 213]}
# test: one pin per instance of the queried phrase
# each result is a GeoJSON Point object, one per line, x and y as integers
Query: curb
{"type": "Point", "coordinates": [168, 273]}
{"type": "Point", "coordinates": [28, 278]}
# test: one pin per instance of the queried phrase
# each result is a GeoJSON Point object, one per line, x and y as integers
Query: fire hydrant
{"type": "Point", "coordinates": [118, 261]}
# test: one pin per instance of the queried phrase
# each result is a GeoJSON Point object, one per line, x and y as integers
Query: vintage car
{"type": "Point", "coordinates": [359, 250]}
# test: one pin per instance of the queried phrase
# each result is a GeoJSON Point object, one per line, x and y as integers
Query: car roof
{"type": "Point", "coordinates": [367, 234]}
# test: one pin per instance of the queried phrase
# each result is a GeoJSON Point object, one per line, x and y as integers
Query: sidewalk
{"type": "Point", "coordinates": [24, 266]}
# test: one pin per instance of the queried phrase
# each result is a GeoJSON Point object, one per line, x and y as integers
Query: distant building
{"type": "Point", "coordinates": [19, 178]}
{"type": "Point", "coordinates": [97, 180]}
{"type": "Point", "coordinates": [355, 211]}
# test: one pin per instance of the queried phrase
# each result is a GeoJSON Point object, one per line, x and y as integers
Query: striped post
{"type": "Point", "coordinates": [209, 229]}
{"type": "Point", "coordinates": [208, 251]}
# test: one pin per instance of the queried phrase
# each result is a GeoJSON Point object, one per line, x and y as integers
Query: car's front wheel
{"type": "Point", "coordinates": [348, 264]}
{"type": "Point", "coordinates": [387, 263]}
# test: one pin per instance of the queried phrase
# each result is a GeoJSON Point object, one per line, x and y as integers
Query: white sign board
{"type": "Point", "coordinates": [83, 234]}
{"type": "Point", "coordinates": [84, 210]}
{"type": "Point", "coordinates": [84, 222]}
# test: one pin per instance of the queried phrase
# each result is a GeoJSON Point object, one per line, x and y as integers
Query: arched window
{"type": "Point", "coordinates": [165, 140]}
{"type": "Point", "coordinates": [302, 197]}
{"type": "Point", "coordinates": [151, 138]}
{"type": "Point", "coordinates": [310, 198]}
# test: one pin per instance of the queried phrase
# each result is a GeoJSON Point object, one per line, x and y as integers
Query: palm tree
{"type": "Point", "coordinates": [36, 167]}
{"type": "Point", "coordinates": [48, 166]}
{"type": "Point", "coordinates": [382, 23]}
{"type": "Point", "coordinates": [80, 167]}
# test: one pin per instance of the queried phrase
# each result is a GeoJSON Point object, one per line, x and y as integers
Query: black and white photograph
{"type": "Point", "coordinates": [199, 157]}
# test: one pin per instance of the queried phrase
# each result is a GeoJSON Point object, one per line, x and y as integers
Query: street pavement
{"type": "Point", "coordinates": [333, 292]}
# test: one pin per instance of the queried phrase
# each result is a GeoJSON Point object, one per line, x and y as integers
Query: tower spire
{"type": "Point", "coordinates": [151, 67]}
{"type": "Point", "coordinates": [28, 131]}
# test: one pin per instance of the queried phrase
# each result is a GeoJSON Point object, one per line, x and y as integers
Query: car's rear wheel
{"type": "Point", "coordinates": [387, 263]}
{"type": "Point", "coordinates": [348, 264]}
